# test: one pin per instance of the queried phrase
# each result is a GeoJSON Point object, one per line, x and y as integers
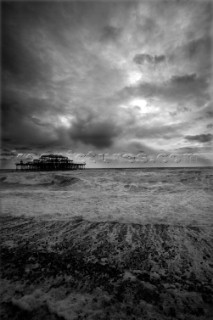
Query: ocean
{"type": "Point", "coordinates": [107, 244]}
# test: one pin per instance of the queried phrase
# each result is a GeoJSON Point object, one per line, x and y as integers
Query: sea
{"type": "Point", "coordinates": [172, 196]}
{"type": "Point", "coordinates": [107, 244]}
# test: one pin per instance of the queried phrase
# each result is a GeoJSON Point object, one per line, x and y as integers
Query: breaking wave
{"type": "Point", "coordinates": [134, 181]}
{"type": "Point", "coordinates": [36, 179]}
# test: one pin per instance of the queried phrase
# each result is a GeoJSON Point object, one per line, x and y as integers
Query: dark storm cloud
{"type": "Point", "coordinates": [45, 62]}
{"type": "Point", "coordinates": [200, 137]}
{"type": "Point", "coordinates": [148, 25]}
{"type": "Point", "coordinates": [206, 112]}
{"type": "Point", "coordinates": [165, 131]}
{"type": "Point", "coordinates": [209, 114]}
{"type": "Point", "coordinates": [180, 109]}
{"type": "Point", "coordinates": [20, 62]}
{"type": "Point", "coordinates": [209, 126]}
{"type": "Point", "coordinates": [20, 57]}
{"type": "Point", "coordinates": [97, 133]}
{"type": "Point", "coordinates": [197, 50]}
{"type": "Point", "coordinates": [185, 79]}
{"type": "Point", "coordinates": [7, 152]}
{"type": "Point", "coordinates": [18, 105]}
{"type": "Point", "coordinates": [24, 131]}
{"type": "Point", "coordinates": [21, 126]}
{"type": "Point", "coordinates": [178, 88]}
{"type": "Point", "coordinates": [142, 58]}
{"type": "Point", "coordinates": [158, 59]}
{"type": "Point", "coordinates": [110, 33]}
{"type": "Point", "coordinates": [187, 150]}
{"type": "Point", "coordinates": [186, 86]}
{"type": "Point", "coordinates": [199, 46]}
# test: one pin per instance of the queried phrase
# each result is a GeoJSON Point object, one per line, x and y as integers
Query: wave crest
{"type": "Point", "coordinates": [36, 179]}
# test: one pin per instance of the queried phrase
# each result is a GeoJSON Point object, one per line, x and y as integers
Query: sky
{"type": "Point", "coordinates": [96, 77]}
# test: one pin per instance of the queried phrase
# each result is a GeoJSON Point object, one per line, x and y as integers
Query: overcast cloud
{"type": "Point", "coordinates": [107, 76]}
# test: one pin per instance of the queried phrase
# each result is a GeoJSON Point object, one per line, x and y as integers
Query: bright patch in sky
{"type": "Point", "coordinates": [134, 77]}
{"type": "Point", "coordinates": [143, 105]}
{"type": "Point", "coordinates": [138, 102]}
{"type": "Point", "coordinates": [65, 121]}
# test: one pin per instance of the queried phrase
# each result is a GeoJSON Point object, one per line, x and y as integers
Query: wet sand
{"type": "Point", "coordinates": [105, 270]}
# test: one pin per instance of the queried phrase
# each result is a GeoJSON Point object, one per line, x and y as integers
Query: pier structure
{"type": "Point", "coordinates": [50, 162]}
